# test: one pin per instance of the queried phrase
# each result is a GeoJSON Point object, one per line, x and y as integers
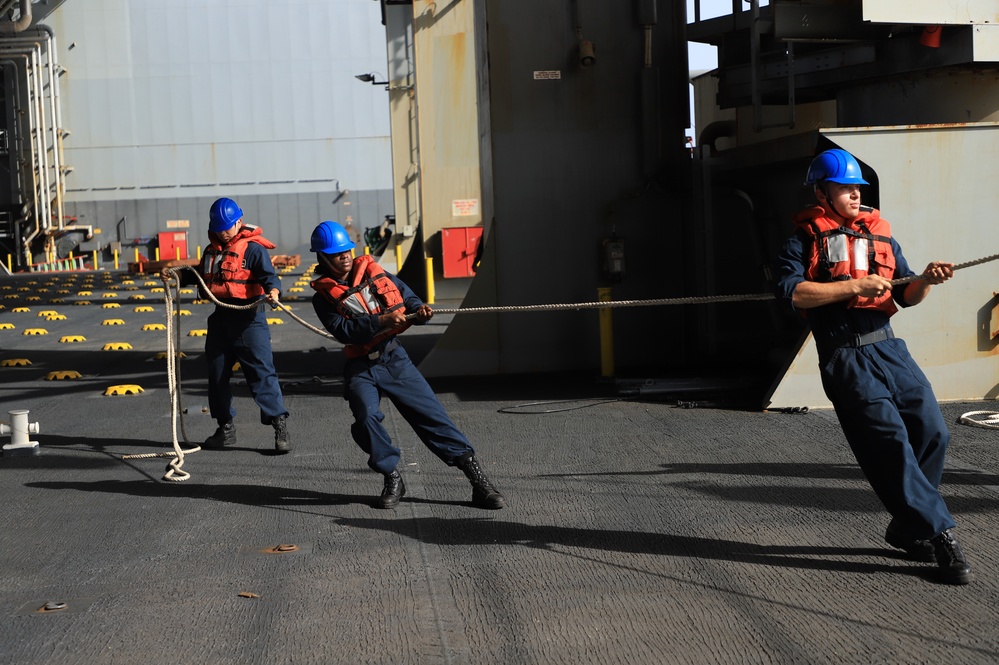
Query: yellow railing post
{"type": "Point", "coordinates": [116, 259]}
{"type": "Point", "coordinates": [431, 295]}
{"type": "Point", "coordinates": [606, 335]}
{"type": "Point", "coordinates": [398, 258]}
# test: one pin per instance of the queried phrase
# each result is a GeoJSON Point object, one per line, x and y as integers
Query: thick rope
{"type": "Point", "coordinates": [174, 471]}
{"type": "Point", "coordinates": [608, 304]}
{"type": "Point", "coordinates": [990, 421]}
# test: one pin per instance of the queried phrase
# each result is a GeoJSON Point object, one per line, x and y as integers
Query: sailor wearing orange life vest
{"type": "Point", "coordinates": [237, 270]}
{"type": "Point", "coordinates": [837, 270]}
{"type": "Point", "coordinates": [365, 308]}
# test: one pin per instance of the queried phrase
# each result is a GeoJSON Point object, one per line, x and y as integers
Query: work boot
{"type": "Point", "coordinates": [394, 490]}
{"type": "Point", "coordinates": [484, 495]}
{"type": "Point", "coordinates": [953, 566]}
{"type": "Point", "coordinates": [918, 550]}
{"type": "Point", "coordinates": [282, 442]}
{"type": "Point", "coordinates": [225, 435]}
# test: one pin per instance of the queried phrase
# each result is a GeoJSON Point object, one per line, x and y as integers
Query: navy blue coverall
{"type": "Point", "coordinates": [884, 402]}
{"type": "Point", "coordinates": [243, 335]}
{"type": "Point", "coordinates": [388, 370]}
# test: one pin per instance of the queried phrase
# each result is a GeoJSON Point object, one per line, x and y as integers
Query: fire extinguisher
{"type": "Point", "coordinates": [613, 258]}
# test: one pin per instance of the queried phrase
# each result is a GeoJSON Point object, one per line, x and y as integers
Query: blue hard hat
{"type": "Point", "coordinates": [223, 215]}
{"type": "Point", "coordinates": [837, 166]}
{"type": "Point", "coordinates": [331, 238]}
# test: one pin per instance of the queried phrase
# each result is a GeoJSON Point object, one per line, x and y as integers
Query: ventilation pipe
{"type": "Point", "coordinates": [21, 24]}
{"type": "Point", "coordinates": [651, 130]}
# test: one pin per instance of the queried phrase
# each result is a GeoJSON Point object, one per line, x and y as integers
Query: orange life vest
{"type": "Point", "coordinates": [368, 291]}
{"type": "Point", "coordinates": [224, 267]}
{"type": "Point", "coordinates": [850, 252]}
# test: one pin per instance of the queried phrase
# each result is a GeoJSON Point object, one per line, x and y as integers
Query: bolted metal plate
{"type": "Point", "coordinates": [286, 548]}
{"type": "Point", "coordinates": [51, 607]}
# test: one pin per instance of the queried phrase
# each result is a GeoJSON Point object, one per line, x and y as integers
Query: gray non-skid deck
{"type": "Point", "coordinates": [636, 531]}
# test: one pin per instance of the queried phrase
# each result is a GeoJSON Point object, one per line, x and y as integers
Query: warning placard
{"type": "Point", "coordinates": [464, 207]}
{"type": "Point", "coordinates": [547, 74]}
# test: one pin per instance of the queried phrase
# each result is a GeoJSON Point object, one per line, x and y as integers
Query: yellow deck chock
{"type": "Point", "coordinates": [63, 374]}
{"type": "Point", "coordinates": [117, 346]}
{"type": "Point", "coordinates": [6, 326]}
{"type": "Point", "coordinates": [154, 326]}
{"type": "Point", "coordinates": [113, 322]}
{"type": "Point", "coordinates": [56, 317]}
{"type": "Point", "coordinates": [124, 389]}
{"type": "Point", "coordinates": [69, 339]}
{"type": "Point", "coordinates": [143, 308]}
{"type": "Point", "coordinates": [35, 331]}
{"type": "Point", "coordinates": [15, 362]}
{"type": "Point", "coordinates": [201, 332]}
{"type": "Point", "coordinates": [110, 305]}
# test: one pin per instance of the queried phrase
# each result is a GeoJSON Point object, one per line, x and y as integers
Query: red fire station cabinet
{"type": "Point", "coordinates": [170, 242]}
{"type": "Point", "coordinates": [459, 246]}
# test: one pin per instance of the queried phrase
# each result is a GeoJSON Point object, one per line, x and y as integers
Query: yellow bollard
{"type": "Point", "coordinates": [606, 335]}
{"type": "Point", "coordinates": [115, 259]}
{"type": "Point", "coordinates": [431, 295]}
{"type": "Point", "coordinates": [398, 259]}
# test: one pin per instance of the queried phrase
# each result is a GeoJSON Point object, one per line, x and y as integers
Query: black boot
{"type": "Point", "coordinates": [394, 490]}
{"type": "Point", "coordinates": [484, 495]}
{"type": "Point", "coordinates": [953, 566]}
{"type": "Point", "coordinates": [225, 435]}
{"type": "Point", "coordinates": [918, 550]}
{"type": "Point", "coordinates": [282, 442]}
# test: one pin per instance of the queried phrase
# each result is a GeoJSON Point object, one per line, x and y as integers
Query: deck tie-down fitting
{"type": "Point", "coordinates": [19, 430]}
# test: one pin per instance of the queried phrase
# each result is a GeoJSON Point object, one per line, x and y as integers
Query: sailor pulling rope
{"type": "Point", "coordinates": [175, 472]}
